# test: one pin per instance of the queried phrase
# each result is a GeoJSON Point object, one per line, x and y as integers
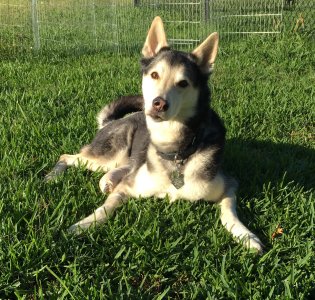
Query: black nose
{"type": "Point", "coordinates": [159, 104]}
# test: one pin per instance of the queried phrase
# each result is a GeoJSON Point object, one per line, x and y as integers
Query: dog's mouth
{"type": "Point", "coordinates": [156, 116]}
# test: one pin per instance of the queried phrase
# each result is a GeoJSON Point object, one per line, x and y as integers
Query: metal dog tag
{"type": "Point", "coordinates": [177, 179]}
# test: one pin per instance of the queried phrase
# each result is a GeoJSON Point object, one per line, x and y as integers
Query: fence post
{"type": "Point", "coordinates": [94, 23]}
{"type": "Point", "coordinates": [35, 25]}
{"type": "Point", "coordinates": [206, 10]}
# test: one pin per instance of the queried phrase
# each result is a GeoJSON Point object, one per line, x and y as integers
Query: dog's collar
{"type": "Point", "coordinates": [180, 155]}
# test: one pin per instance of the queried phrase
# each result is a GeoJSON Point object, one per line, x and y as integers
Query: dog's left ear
{"type": "Point", "coordinates": [206, 52]}
{"type": "Point", "coordinates": [156, 39]}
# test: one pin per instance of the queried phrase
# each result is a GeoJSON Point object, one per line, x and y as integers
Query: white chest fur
{"type": "Point", "coordinates": [165, 134]}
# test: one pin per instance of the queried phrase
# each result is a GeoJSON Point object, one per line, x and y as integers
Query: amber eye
{"type": "Point", "coordinates": [182, 83]}
{"type": "Point", "coordinates": [155, 75]}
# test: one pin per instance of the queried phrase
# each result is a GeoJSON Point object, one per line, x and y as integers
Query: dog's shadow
{"type": "Point", "coordinates": [258, 163]}
{"type": "Point", "coordinates": [264, 169]}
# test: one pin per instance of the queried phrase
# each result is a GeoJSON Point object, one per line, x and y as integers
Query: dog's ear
{"type": "Point", "coordinates": [156, 39]}
{"type": "Point", "coordinates": [206, 52]}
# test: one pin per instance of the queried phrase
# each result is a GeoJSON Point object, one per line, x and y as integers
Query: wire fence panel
{"type": "Point", "coordinates": [76, 23]}
{"type": "Point", "coordinates": [121, 25]}
{"type": "Point", "coordinates": [116, 25]}
{"type": "Point", "coordinates": [247, 16]}
{"type": "Point", "coordinates": [299, 16]}
{"type": "Point", "coordinates": [15, 24]}
{"type": "Point", "coordinates": [181, 19]}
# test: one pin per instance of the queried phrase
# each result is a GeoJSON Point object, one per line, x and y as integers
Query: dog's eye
{"type": "Point", "coordinates": [155, 75]}
{"type": "Point", "coordinates": [182, 83]}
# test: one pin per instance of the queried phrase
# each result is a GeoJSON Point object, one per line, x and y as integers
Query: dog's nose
{"type": "Point", "coordinates": [159, 104]}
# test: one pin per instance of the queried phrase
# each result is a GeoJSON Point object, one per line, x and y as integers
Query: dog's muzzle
{"type": "Point", "coordinates": [160, 105]}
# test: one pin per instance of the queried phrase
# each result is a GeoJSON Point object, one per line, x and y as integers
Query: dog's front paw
{"type": "Point", "coordinates": [77, 228]}
{"type": "Point", "coordinates": [106, 185]}
{"type": "Point", "coordinates": [172, 199]}
{"type": "Point", "coordinates": [253, 242]}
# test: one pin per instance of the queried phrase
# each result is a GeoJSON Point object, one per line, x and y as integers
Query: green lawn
{"type": "Point", "coordinates": [264, 89]}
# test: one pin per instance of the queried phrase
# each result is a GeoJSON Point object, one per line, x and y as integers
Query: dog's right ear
{"type": "Point", "coordinates": [156, 39]}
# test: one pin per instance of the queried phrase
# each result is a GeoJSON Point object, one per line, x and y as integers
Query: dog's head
{"type": "Point", "coordinates": [172, 79]}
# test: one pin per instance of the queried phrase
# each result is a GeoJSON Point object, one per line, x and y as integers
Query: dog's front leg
{"type": "Point", "coordinates": [112, 178]}
{"type": "Point", "coordinates": [232, 223]}
{"type": "Point", "coordinates": [100, 215]}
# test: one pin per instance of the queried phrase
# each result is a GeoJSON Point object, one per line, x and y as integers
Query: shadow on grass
{"type": "Point", "coordinates": [265, 165]}
{"type": "Point", "coordinates": [255, 163]}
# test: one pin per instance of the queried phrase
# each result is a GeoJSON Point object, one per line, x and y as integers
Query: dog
{"type": "Point", "coordinates": [166, 143]}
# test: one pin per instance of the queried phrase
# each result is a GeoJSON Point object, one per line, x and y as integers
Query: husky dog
{"type": "Point", "coordinates": [166, 143]}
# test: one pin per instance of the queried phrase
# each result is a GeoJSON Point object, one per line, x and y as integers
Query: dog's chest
{"type": "Point", "coordinates": [186, 171]}
{"type": "Point", "coordinates": [177, 172]}
{"type": "Point", "coordinates": [159, 177]}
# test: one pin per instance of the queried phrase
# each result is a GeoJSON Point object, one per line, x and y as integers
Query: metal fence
{"type": "Point", "coordinates": [121, 25]}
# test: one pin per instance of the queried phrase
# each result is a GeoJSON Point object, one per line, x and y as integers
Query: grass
{"type": "Point", "coordinates": [263, 89]}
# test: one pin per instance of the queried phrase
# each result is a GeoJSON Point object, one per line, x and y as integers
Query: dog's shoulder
{"type": "Point", "coordinates": [206, 161]}
{"type": "Point", "coordinates": [213, 131]}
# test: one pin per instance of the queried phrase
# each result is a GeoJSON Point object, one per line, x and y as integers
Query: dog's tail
{"type": "Point", "coordinates": [119, 108]}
